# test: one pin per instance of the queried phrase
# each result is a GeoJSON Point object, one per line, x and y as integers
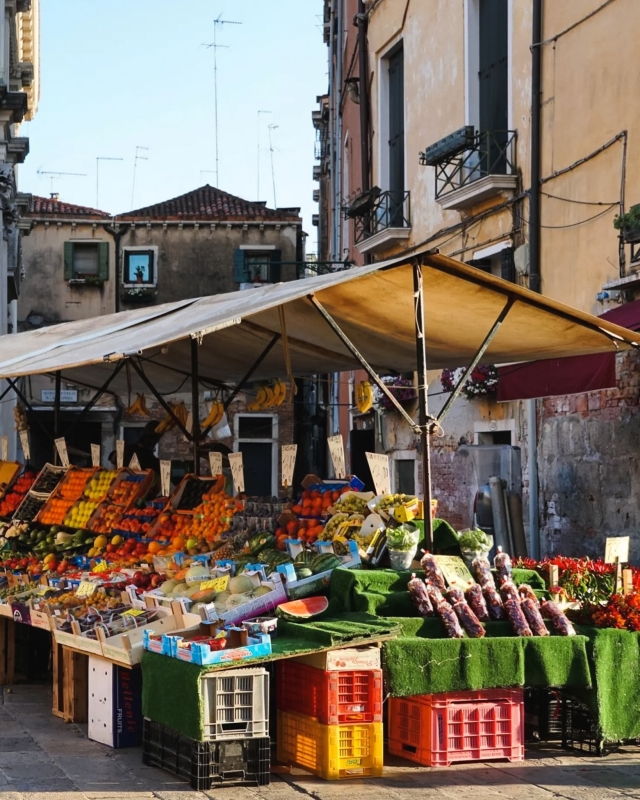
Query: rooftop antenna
{"type": "Point", "coordinates": [273, 172]}
{"type": "Point", "coordinates": [98, 160]}
{"type": "Point", "coordinates": [54, 175]}
{"type": "Point", "coordinates": [137, 158]}
{"type": "Point", "coordinates": [216, 22]}
{"type": "Point", "coordinates": [258, 187]}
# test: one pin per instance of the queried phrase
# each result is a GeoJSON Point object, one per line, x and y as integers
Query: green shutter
{"type": "Point", "coordinates": [103, 260]}
{"type": "Point", "coordinates": [239, 270]}
{"type": "Point", "coordinates": [275, 266]}
{"type": "Point", "coordinates": [68, 261]}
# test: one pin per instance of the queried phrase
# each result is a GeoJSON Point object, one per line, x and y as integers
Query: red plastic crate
{"type": "Point", "coordinates": [436, 730]}
{"type": "Point", "coordinates": [332, 698]}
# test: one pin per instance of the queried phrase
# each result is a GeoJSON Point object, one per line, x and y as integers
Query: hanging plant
{"type": "Point", "coordinates": [401, 388]}
{"type": "Point", "coordinates": [482, 382]}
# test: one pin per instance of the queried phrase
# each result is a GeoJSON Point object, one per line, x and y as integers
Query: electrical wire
{"type": "Point", "coordinates": [579, 202]}
{"type": "Point", "coordinates": [574, 25]}
{"type": "Point", "coordinates": [574, 224]}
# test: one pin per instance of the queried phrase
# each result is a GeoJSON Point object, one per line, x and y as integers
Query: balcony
{"type": "Point", "coordinates": [381, 219]}
{"type": "Point", "coordinates": [473, 167]}
{"type": "Point", "coordinates": [310, 269]}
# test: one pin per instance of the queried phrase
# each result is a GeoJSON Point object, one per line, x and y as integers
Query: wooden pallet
{"type": "Point", "coordinates": [70, 684]}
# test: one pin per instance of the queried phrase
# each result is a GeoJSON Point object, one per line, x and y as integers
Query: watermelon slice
{"type": "Point", "coordinates": [303, 609]}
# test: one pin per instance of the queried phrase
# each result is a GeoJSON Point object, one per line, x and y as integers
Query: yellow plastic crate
{"type": "Point", "coordinates": [333, 752]}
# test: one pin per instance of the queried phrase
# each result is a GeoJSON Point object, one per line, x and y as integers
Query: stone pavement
{"type": "Point", "coordinates": [41, 758]}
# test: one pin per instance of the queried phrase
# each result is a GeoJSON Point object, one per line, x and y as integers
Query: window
{"type": "Point", "coordinates": [256, 266]}
{"type": "Point", "coordinates": [86, 260]}
{"type": "Point", "coordinates": [395, 66]}
{"type": "Point", "coordinates": [256, 437]}
{"type": "Point", "coordinates": [139, 267]}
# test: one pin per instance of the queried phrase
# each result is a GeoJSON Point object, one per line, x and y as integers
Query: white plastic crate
{"type": "Point", "coordinates": [235, 704]}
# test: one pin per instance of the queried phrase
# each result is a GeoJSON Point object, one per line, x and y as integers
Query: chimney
{"type": "Point", "coordinates": [55, 196]}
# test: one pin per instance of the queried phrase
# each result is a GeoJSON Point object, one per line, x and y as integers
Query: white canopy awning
{"type": "Point", "coordinates": [374, 306]}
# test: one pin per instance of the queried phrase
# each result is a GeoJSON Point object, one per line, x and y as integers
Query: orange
{"type": "Point", "coordinates": [154, 547]}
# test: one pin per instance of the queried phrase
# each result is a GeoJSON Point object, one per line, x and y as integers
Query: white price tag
{"type": "Point", "coordinates": [135, 462]}
{"type": "Point", "coordinates": [120, 453]}
{"type": "Point", "coordinates": [288, 463]}
{"type": "Point", "coordinates": [4, 448]}
{"type": "Point", "coordinates": [165, 478]}
{"type": "Point", "coordinates": [95, 455]}
{"type": "Point", "coordinates": [215, 462]}
{"type": "Point", "coordinates": [379, 466]}
{"type": "Point", "coordinates": [616, 548]}
{"type": "Point", "coordinates": [61, 446]}
{"type": "Point", "coordinates": [24, 442]}
{"type": "Point", "coordinates": [336, 448]}
{"type": "Point", "coordinates": [237, 471]}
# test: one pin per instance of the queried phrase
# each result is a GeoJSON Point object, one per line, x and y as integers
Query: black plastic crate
{"type": "Point", "coordinates": [580, 729]}
{"type": "Point", "coordinates": [206, 764]}
{"type": "Point", "coordinates": [544, 711]}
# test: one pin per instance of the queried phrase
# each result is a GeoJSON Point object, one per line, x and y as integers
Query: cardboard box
{"type": "Point", "coordinates": [344, 660]}
{"type": "Point", "coordinates": [115, 704]}
{"type": "Point", "coordinates": [240, 646]}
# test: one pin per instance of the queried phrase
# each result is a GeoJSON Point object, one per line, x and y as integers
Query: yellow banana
{"type": "Point", "coordinates": [282, 392]}
{"type": "Point", "coordinates": [364, 397]}
{"type": "Point", "coordinates": [215, 415]}
{"type": "Point", "coordinates": [270, 397]}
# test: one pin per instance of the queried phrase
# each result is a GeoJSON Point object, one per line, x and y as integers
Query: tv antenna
{"type": "Point", "coordinates": [53, 175]}
{"type": "Point", "coordinates": [258, 187]}
{"type": "Point", "coordinates": [137, 158]}
{"type": "Point", "coordinates": [273, 172]}
{"type": "Point", "coordinates": [214, 45]}
{"type": "Point", "coordinates": [98, 160]}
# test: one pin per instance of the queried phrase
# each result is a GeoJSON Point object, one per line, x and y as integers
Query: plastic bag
{"type": "Point", "coordinates": [560, 622]}
{"type": "Point", "coordinates": [477, 603]}
{"type": "Point", "coordinates": [432, 571]}
{"type": "Point", "coordinates": [455, 595]}
{"type": "Point", "coordinates": [516, 618]}
{"type": "Point", "coordinates": [449, 620]}
{"type": "Point", "coordinates": [468, 620]}
{"type": "Point", "coordinates": [502, 563]}
{"type": "Point", "coordinates": [420, 597]}
{"type": "Point", "coordinates": [494, 602]}
{"type": "Point", "coordinates": [482, 571]}
{"type": "Point", "coordinates": [435, 595]}
{"type": "Point", "coordinates": [534, 617]}
{"type": "Point", "coordinates": [524, 590]}
{"type": "Point", "coordinates": [509, 592]}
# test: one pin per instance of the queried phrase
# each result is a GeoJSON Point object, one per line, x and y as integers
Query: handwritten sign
{"type": "Point", "coordinates": [61, 447]}
{"type": "Point", "coordinates": [336, 449]}
{"type": "Point", "coordinates": [135, 462]}
{"type": "Point", "coordinates": [627, 581]}
{"type": "Point", "coordinates": [237, 470]}
{"type": "Point", "coordinates": [215, 462]}
{"type": "Point", "coordinates": [216, 584]}
{"type": "Point", "coordinates": [165, 478]}
{"type": "Point", "coordinates": [103, 566]}
{"type": "Point", "coordinates": [86, 589]}
{"type": "Point", "coordinates": [24, 443]}
{"type": "Point", "coordinates": [289, 452]}
{"type": "Point", "coordinates": [4, 448]}
{"type": "Point", "coordinates": [616, 548]}
{"type": "Point", "coordinates": [120, 453]}
{"type": "Point", "coordinates": [95, 455]}
{"type": "Point", "coordinates": [455, 571]}
{"type": "Point", "coordinates": [379, 466]}
{"type": "Point", "coordinates": [132, 612]}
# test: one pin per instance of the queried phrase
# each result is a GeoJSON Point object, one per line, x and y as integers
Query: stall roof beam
{"type": "Point", "coordinates": [95, 398]}
{"type": "Point", "coordinates": [160, 398]}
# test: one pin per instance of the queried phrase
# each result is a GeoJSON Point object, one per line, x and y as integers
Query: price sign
{"type": "Point", "coordinates": [135, 462]}
{"type": "Point", "coordinates": [101, 567]}
{"type": "Point", "coordinates": [165, 478]}
{"type": "Point", "coordinates": [216, 584]}
{"type": "Point", "coordinates": [215, 462]}
{"type": "Point", "coordinates": [455, 571]}
{"type": "Point", "coordinates": [336, 448]}
{"type": "Point", "coordinates": [237, 471]}
{"type": "Point", "coordinates": [24, 442]}
{"type": "Point", "coordinates": [4, 448]}
{"type": "Point", "coordinates": [379, 466]}
{"type": "Point", "coordinates": [616, 549]}
{"type": "Point", "coordinates": [288, 463]}
{"type": "Point", "coordinates": [120, 453]}
{"type": "Point", "coordinates": [61, 447]}
{"type": "Point", "coordinates": [86, 589]}
{"type": "Point", "coordinates": [132, 612]}
{"type": "Point", "coordinates": [95, 455]}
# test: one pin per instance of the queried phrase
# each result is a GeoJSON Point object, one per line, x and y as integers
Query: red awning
{"type": "Point", "coordinates": [561, 376]}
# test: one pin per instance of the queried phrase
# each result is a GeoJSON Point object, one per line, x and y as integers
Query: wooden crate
{"type": "Point", "coordinates": [7, 651]}
{"type": "Point", "coordinates": [70, 684]}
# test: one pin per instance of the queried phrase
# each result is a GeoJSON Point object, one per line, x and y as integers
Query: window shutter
{"type": "Point", "coordinates": [68, 261]}
{"type": "Point", "coordinates": [508, 265]}
{"type": "Point", "coordinates": [239, 269]}
{"type": "Point", "coordinates": [275, 266]}
{"type": "Point", "coordinates": [103, 261]}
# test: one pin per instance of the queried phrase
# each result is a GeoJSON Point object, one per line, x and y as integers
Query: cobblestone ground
{"type": "Point", "coordinates": [41, 758]}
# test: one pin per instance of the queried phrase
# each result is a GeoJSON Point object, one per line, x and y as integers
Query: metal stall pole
{"type": "Point", "coordinates": [423, 403]}
{"type": "Point", "coordinates": [195, 405]}
{"type": "Point", "coordinates": [56, 415]}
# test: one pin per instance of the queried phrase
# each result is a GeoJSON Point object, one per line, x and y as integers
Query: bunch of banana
{"type": "Point", "coordinates": [167, 423]}
{"type": "Point", "coordinates": [269, 396]}
{"type": "Point", "coordinates": [139, 407]}
{"type": "Point", "coordinates": [215, 415]}
{"type": "Point", "coordinates": [364, 397]}
{"type": "Point", "coordinates": [20, 418]}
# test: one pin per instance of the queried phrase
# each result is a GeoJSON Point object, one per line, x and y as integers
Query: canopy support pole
{"type": "Point", "coordinates": [250, 371]}
{"type": "Point", "coordinates": [160, 398]}
{"type": "Point", "coordinates": [95, 398]}
{"type": "Point", "coordinates": [424, 419]}
{"type": "Point", "coordinates": [365, 364]}
{"type": "Point", "coordinates": [195, 405]}
{"type": "Point", "coordinates": [476, 359]}
{"type": "Point", "coordinates": [13, 384]}
{"type": "Point", "coordinates": [56, 413]}
{"type": "Point", "coordinates": [7, 390]}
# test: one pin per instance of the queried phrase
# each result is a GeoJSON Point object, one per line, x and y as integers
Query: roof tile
{"type": "Point", "coordinates": [45, 206]}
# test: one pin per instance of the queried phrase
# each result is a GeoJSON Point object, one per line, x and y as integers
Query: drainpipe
{"type": "Point", "coordinates": [117, 238]}
{"type": "Point", "coordinates": [363, 67]}
{"type": "Point", "coordinates": [534, 261]}
{"type": "Point", "coordinates": [337, 208]}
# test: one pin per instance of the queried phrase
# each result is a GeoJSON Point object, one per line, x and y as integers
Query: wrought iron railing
{"type": "Point", "coordinates": [492, 153]}
{"type": "Point", "coordinates": [377, 211]}
{"type": "Point", "coordinates": [310, 269]}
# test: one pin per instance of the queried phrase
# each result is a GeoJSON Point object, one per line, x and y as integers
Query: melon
{"type": "Point", "coordinates": [221, 601]}
{"type": "Point", "coordinates": [237, 600]}
{"type": "Point", "coordinates": [262, 590]}
{"type": "Point", "coordinates": [303, 609]}
{"type": "Point", "coordinates": [203, 596]}
{"type": "Point", "coordinates": [194, 588]}
{"type": "Point", "coordinates": [241, 584]}
{"type": "Point", "coordinates": [167, 587]}
{"type": "Point", "coordinates": [180, 590]}
{"type": "Point", "coordinates": [196, 574]}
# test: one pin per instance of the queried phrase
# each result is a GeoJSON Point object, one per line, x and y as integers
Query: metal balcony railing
{"type": "Point", "coordinates": [491, 153]}
{"type": "Point", "coordinates": [309, 269]}
{"type": "Point", "coordinates": [377, 211]}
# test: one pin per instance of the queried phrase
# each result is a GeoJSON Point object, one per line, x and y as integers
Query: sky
{"type": "Point", "coordinates": [117, 74]}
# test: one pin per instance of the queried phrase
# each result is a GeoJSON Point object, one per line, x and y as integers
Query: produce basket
{"type": "Point", "coordinates": [189, 494]}
{"type": "Point", "coordinates": [48, 479]}
{"type": "Point", "coordinates": [129, 486]}
{"type": "Point", "coordinates": [9, 471]}
{"type": "Point", "coordinates": [30, 507]}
